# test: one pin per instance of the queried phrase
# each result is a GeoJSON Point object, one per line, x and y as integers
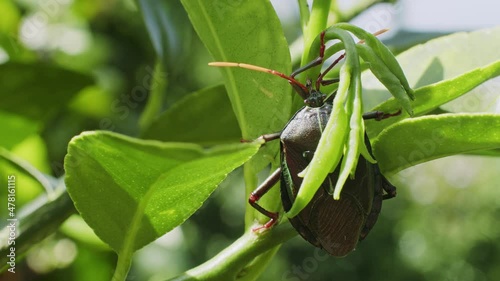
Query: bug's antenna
{"type": "Point", "coordinates": [300, 88]}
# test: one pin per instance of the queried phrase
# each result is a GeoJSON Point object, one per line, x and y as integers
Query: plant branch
{"type": "Point", "coordinates": [122, 267]}
{"type": "Point", "coordinates": [317, 23]}
{"type": "Point", "coordinates": [232, 262]}
{"type": "Point", "coordinates": [46, 181]}
{"type": "Point", "coordinates": [36, 221]}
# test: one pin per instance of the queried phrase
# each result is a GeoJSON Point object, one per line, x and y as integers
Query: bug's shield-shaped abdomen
{"type": "Point", "coordinates": [333, 225]}
{"type": "Point", "coordinates": [337, 224]}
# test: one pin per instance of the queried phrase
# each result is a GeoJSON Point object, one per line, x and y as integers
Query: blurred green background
{"type": "Point", "coordinates": [444, 224]}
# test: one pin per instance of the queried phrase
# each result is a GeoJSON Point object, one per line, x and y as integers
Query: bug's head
{"type": "Point", "coordinates": [315, 99]}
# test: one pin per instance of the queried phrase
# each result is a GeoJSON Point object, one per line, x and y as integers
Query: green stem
{"type": "Point", "coordinates": [254, 269]}
{"type": "Point", "coordinates": [232, 262]}
{"type": "Point", "coordinates": [122, 267]}
{"type": "Point", "coordinates": [304, 14]}
{"type": "Point", "coordinates": [155, 100]}
{"type": "Point", "coordinates": [317, 23]}
{"type": "Point", "coordinates": [48, 183]}
{"type": "Point", "coordinates": [250, 184]}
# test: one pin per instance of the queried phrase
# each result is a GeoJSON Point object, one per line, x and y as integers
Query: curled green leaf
{"type": "Point", "coordinates": [382, 52]}
{"type": "Point", "coordinates": [384, 75]}
{"type": "Point", "coordinates": [351, 154]}
{"type": "Point", "coordinates": [332, 142]}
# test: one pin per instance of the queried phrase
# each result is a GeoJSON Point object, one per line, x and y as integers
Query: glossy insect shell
{"type": "Point", "coordinates": [333, 225]}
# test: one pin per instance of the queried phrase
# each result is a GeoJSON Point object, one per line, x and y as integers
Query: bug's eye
{"type": "Point", "coordinates": [308, 155]}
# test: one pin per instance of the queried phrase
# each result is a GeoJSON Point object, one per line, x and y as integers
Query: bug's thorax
{"type": "Point", "coordinates": [304, 130]}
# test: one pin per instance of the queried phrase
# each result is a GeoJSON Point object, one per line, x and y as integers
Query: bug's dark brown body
{"type": "Point", "coordinates": [334, 225]}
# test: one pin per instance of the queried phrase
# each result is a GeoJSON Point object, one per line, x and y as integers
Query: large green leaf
{"type": "Point", "coordinates": [132, 191]}
{"type": "Point", "coordinates": [36, 90]}
{"type": "Point", "coordinates": [417, 140]}
{"type": "Point", "coordinates": [204, 117]}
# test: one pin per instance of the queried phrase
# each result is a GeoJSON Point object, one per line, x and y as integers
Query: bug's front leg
{"type": "Point", "coordinates": [315, 62]}
{"type": "Point", "coordinates": [258, 193]}
{"type": "Point", "coordinates": [390, 190]}
{"type": "Point", "coordinates": [380, 115]}
{"type": "Point", "coordinates": [266, 137]}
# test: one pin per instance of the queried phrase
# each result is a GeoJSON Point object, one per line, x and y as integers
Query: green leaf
{"type": "Point", "coordinates": [440, 59]}
{"type": "Point", "coordinates": [76, 228]}
{"type": "Point", "coordinates": [432, 96]}
{"type": "Point", "coordinates": [417, 140]}
{"type": "Point", "coordinates": [132, 191]}
{"type": "Point", "coordinates": [387, 77]}
{"type": "Point", "coordinates": [383, 53]}
{"type": "Point", "coordinates": [155, 98]}
{"type": "Point", "coordinates": [204, 117]}
{"type": "Point", "coordinates": [168, 29]}
{"type": "Point", "coordinates": [49, 88]}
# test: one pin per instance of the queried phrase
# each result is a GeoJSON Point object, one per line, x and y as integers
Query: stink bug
{"type": "Point", "coordinates": [333, 225]}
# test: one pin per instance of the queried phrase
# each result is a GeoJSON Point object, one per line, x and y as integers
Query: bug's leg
{"type": "Point", "coordinates": [266, 137]}
{"type": "Point", "coordinates": [386, 185]}
{"type": "Point", "coordinates": [270, 137]}
{"type": "Point", "coordinates": [329, 81]}
{"type": "Point", "coordinates": [317, 61]}
{"type": "Point", "coordinates": [321, 81]}
{"type": "Point", "coordinates": [379, 115]}
{"type": "Point", "coordinates": [388, 188]}
{"type": "Point", "coordinates": [381, 184]}
{"type": "Point", "coordinates": [258, 193]}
